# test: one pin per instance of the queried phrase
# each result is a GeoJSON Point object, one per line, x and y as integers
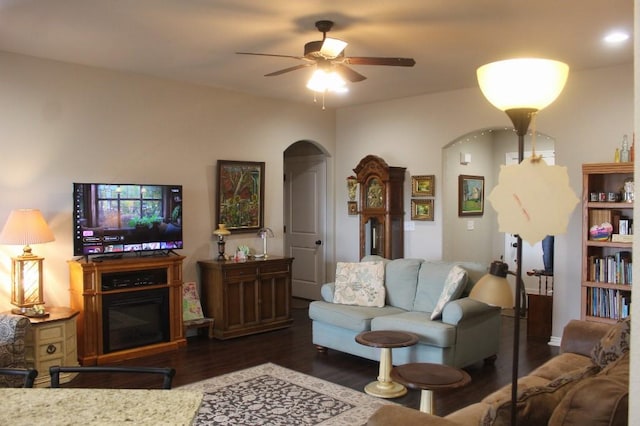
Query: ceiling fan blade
{"type": "Point", "coordinates": [297, 67]}
{"type": "Point", "coordinates": [349, 74]}
{"type": "Point", "coordinates": [332, 47]}
{"type": "Point", "coordinates": [396, 62]}
{"type": "Point", "coordinates": [270, 54]}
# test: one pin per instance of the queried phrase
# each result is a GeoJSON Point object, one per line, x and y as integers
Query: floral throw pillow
{"type": "Point", "coordinates": [613, 345]}
{"type": "Point", "coordinates": [360, 284]}
{"type": "Point", "coordinates": [453, 288]}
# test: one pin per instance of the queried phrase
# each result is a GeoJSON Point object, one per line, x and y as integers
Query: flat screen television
{"type": "Point", "coordinates": [114, 219]}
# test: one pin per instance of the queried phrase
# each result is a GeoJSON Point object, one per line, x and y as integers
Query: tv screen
{"type": "Point", "coordinates": [111, 219]}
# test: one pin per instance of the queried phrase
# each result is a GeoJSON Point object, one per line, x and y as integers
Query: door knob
{"type": "Point", "coordinates": [318, 242]}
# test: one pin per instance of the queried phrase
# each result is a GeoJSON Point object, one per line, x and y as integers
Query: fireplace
{"type": "Point", "coordinates": [128, 308]}
{"type": "Point", "coordinates": [134, 319]}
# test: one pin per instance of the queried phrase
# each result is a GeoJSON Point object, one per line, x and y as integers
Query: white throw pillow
{"type": "Point", "coordinates": [360, 284]}
{"type": "Point", "coordinates": [453, 288]}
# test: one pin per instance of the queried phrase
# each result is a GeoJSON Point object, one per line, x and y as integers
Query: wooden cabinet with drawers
{"type": "Point", "coordinates": [246, 297]}
{"type": "Point", "coordinates": [52, 341]}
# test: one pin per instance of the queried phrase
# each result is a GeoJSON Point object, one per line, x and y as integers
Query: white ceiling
{"type": "Point", "coordinates": [196, 40]}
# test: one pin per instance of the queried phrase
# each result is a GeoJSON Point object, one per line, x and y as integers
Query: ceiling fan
{"type": "Point", "coordinates": [328, 55]}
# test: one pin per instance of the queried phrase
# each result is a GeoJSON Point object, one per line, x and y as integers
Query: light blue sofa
{"type": "Point", "coordinates": [468, 332]}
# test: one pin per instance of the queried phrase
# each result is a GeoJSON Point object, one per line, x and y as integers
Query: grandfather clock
{"type": "Point", "coordinates": [381, 208]}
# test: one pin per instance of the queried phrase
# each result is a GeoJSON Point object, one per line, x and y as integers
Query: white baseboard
{"type": "Point", "coordinates": [554, 341]}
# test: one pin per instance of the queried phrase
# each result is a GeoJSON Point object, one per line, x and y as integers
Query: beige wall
{"type": "Point", "coordinates": [64, 123]}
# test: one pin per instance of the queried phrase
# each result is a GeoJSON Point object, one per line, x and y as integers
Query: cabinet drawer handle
{"type": "Point", "coordinates": [51, 349]}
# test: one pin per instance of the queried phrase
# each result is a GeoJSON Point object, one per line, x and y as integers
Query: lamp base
{"type": "Point", "coordinates": [29, 312]}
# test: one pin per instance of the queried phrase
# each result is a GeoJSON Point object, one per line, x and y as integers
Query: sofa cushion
{"type": "Point", "coordinates": [600, 400]}
{"type": "Point", "coordinates": [613, 345]}
{"type": "Point", "coordinates": [431, 278]}
{"type": "Point", "coordinates": [536, 404]}
{"type": "Point", "coordinates": [356, 318]}
{"type": "Point", "coordinates": [453, 287]}
{"type": "Point", "coordinates": [360, 284]}
{"type": "Point", "coordinates": [434, 333]}
{"type": "Point", "coordinates": [561, 364]}
{"type": "Point", "coordinates": [401, 280]}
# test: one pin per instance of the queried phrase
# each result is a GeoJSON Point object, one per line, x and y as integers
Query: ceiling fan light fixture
{"type": "Point", "coordinates": [332, 47]}
{"type": "Point", "coordinates": [326, 81]}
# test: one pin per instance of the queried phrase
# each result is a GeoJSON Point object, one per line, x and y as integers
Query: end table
{"type": "Point", "coordinates": [51, 341]}
{"type": "Point", "coordinates": [384, 387]}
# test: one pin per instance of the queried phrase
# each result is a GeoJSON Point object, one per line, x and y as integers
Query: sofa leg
{"type": "Point", "coordinates": [491, 360]}
{"type": "Point", "coordinates": [321, 349]}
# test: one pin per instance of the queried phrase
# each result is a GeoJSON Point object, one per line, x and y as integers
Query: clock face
{"type": "Point", "coordinates": [374, 193]}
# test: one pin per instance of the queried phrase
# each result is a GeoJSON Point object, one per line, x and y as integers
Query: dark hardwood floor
{"type": "Point", "coordinates": [291, 348]}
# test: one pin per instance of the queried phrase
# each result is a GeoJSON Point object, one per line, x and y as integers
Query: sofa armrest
{"type": "Point", "coordinates": [13, 330]}
{"type": "Point", "coordinates": [465, 309]}
{"type": "Point", "coordinates": [579, 337]}
{"type": "Point", "coordinates": [326, 291]}
{"type": "Point", "coordinates": [399, 415]}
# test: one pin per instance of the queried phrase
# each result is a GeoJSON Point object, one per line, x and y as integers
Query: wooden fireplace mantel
{"type": "Point", "coordinates": [87, 294]}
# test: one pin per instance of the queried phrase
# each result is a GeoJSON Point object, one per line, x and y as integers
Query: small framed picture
{"type": "Point", "coordinates": [352, 207]}
{"type": "Point", "coordinates": [423, 186]}
{"type": "Point", "coordinates": [470, 195]}
{"type": "Point", "coordinates": [421, 209]}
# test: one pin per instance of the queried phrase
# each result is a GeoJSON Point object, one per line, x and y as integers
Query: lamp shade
{"type": "Point", "coordinates": [24, 227]}
{"type": "Point", "coordinates": [522, 83]}
{"type": "Point", "coordinates": [265, 233]}
{"type": "Point", "coordinates": [222, 230]}
{"type": "Point", "coordinates": [493, 288]}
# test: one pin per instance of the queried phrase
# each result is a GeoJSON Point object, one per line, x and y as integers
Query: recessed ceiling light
{"type": "Point", "coordinates": [616, 37]}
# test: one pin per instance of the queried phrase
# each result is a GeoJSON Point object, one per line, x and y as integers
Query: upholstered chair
{"type": "Point", "coordinates": [13, 330]}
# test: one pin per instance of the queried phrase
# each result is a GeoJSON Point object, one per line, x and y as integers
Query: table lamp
{"type": "Point", "coordinates": [221, 232]}
{"type": "Point", "coordinates": [265, 233]}
{"type": "Point", "coordinates": [25, 227]}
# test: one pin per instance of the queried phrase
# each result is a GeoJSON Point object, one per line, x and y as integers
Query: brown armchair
{"type": "Point", "coordinates": [13, 330]}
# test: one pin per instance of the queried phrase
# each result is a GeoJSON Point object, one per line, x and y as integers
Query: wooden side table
{"type": "Point", "coordinates": [51, 341]}
{"type": "Point", "coordinates": [429, 377]}
{"type": "Point", "coordinates": [384, 387]}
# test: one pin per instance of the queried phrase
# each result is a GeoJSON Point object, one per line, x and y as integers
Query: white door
{"type": "Point", "coordinates": [304, 211]}
{"type": "Point", "coordinates": [531, 254]}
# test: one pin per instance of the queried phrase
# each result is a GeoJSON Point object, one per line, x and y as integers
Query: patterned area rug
{"type": "Point", "coordinates": [272, 395]}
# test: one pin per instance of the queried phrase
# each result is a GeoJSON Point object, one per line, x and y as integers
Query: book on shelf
{"type": "Point", "coordinates": [614, 269]}
{"type": "Point", "coordinates": [622, 238]}
{"type": "Point", "coordinates": [608, 303]}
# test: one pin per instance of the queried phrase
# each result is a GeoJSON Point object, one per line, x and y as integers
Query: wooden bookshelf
{"type": "Point", "coordinates": [606, 278]}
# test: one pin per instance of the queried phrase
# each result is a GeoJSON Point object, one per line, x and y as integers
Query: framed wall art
{"type": "Point", "coordinates": [470, 195]}
{"type": "Point", "coordinates": [240, 195]}
{"type": "Point", "coordinates": [421, 209]}
{"type": "Point", "coordinates": [423, 186]}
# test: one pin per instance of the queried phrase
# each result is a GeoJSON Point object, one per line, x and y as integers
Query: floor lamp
{"type": "Point", "coordinates": [521, 88]}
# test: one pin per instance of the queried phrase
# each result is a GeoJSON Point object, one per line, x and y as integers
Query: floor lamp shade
{"type": "Point", "coordinates": [493, 288]}
{"type": "Point", "coordinates": [25, 227]}
{"type": "Point", "coordinates": [530, 83]}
